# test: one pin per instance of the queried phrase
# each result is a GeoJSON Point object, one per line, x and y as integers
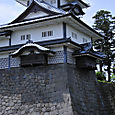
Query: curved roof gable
{"type": "Point", "coordinates": [33, 46]}
{"type": "Point", "coordinates": [35, 8]}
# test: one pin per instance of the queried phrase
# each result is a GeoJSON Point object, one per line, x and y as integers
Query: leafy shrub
{"type": "Point", "coordinates": [100, 76]}
{"type": "Point", "coordinates": [113, 78]}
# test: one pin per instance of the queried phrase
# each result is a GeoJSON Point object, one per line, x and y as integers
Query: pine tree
{"type": "Point", "coordinates": [105, 24]}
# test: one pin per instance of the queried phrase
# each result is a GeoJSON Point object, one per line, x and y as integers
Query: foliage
{"type": "Point", "coordinates": [105, 24]}
{"type": "Point", "coordinates": [114, 70]}
{"type": "Point", "coordinates": [100, 76]}
{"type": "Point", "coordinates": [106, 82]}
{"type": "Point", "coordinates": [113, 78]}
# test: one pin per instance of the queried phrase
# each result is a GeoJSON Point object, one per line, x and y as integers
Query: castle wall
{"type": "Point", "coordinates": [61, 89]}
{"type": "Point", "coordinates": [80, 37]}
{"type": "Point", "coordinates": [88, 96]}
{"type": "Point", "coordinates": [4, 42]}
{"type": "Point", "coordinates": [107, 92]}
{"type": "Point", "coordinates": [58, 58]}
{"type": "Point", "coordinates": [35, 91]}
{"type": "Point", "coordinates": [36, 34]}
{"type": "Point", "coordinates": [6, 62]}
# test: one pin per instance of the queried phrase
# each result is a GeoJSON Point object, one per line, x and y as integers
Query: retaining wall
{"type": "Point", "coordinates": [61, 89]}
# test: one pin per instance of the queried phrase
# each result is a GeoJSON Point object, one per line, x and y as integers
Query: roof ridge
{"type": "Point", "coordinates": [50, 7]}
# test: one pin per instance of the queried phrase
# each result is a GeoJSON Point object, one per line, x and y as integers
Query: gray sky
{"type": "Point", "coordinates": [9, 10]}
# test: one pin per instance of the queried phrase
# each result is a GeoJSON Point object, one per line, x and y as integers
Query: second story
{"type": "Point", "coordinates": [40, 24]}
{"type": "Point", "coordinates": [55, 35]}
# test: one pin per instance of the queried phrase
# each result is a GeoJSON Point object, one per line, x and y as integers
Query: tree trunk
{"type": "Point", "coordinates": [109, 72]}
{"type": "Point", "coordinates": [100, 67]}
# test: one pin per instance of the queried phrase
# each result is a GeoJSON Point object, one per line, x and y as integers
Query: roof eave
{"type": "Point", "coordinates": [63, 41]}
{"type": "Point", "coordinates": [88, 54]}
{"type": "Point", "coordinates": [85, 4]}
{"type": "Point", "coordinates": [6, 27]}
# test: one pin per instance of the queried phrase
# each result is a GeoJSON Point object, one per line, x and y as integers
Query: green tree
{"type": "Point", "coordinates": [105, 25]}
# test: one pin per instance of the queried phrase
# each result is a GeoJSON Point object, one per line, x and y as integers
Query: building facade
{"type": "Point", "coordinates": [53, 24]}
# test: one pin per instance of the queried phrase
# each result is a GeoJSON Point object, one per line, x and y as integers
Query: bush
{"type": "Point", "coordinates": [113, 78]}
{"type": "Point", "coordinates": [100, 76]}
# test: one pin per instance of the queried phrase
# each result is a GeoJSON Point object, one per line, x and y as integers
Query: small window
{"type": "Point", "coordinates": [50, 33]}
{"type": "Point", "coordinates": [74, 35]}
{"type": "Point", "coordinates": [47, 33]}
{"type": "Point", "coordinates": [84, 40]}
{"type": "Point", "coordinates": [22, 37]}
{"type": "Point", "coordinates": [28, 3]}
{"type": "Point", "coordinates": [28, 37]}
{"type": "Point", "coordinates": [44, 34]}
{"type": "Point", "coordinates": [53, 1]}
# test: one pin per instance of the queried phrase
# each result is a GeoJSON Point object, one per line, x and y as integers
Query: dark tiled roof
{"type": "Point", "coordinates": [44, 43]}
{"type": "Point", "coordinates": [88, 50]}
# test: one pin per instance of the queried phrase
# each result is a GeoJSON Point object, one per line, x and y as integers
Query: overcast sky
{"type": "Point", "coordinates": [10, 9]}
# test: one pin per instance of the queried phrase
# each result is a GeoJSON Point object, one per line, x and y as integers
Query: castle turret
{"type": "Point", "coordinates": [74, 6]}
{"type": "Point", "coordinates": [57, 3]}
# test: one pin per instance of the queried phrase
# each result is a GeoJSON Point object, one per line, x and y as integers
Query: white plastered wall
{"type": "Point", "coordinates": [62, 2]}
{"type": "Point", "coordinates": [36, 34]}
{"type": "Point", "coordinates": [52, 2]}
{"type": "Point", "coordinates": [36, 15]}
{"type": "Point", "coordinates": [80, 35]}
{"type": "Point", "coordinates": [57, 48]}
{"type": "Point", "coordinates": [4, 42]}
{"type": "Point", "coordinates": [4, 55]}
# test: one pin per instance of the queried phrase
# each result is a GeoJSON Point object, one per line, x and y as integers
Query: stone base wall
{"type": "Point", "coordinates": [35, 91]}
{"type": "Point", "coordinates": [88, 96]}
{"type": "Point", "coordinates": [107, 95]}
{"type": "Point", "coordinates": [61, 89]}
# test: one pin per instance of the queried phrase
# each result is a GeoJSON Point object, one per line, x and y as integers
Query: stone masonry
{"type": "Point", "coordinates": [61, 89]}
{"type": "Point", "coordinates": [35, 91]}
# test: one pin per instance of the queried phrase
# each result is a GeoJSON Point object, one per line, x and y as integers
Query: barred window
{"type": "Point", "coordinates": [22, 37]}
{"type": "Point", "coordinates": [84, 40]}
{"type": "Point", "coordinates": [28, 36]}
{"type": "Point", "coordinates": [47, 33]}
{"type": "Point", "coordinates": [28, 3]}
{"type": "Point", "coordinates": [74, 35]}
{"type": "Point", "coordinates": [50, 33]}
{"type": "Point", "coordinates": [53, 1]}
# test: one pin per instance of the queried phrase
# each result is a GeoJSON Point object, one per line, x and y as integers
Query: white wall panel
{"type": "Point", "coordinates": [35, 15]}
{"type": "Point", "coordinates": [80, 35]}
{"type": "Point", "coordinates": [36, 34]}
{"type": "Point", "coordinates": [52, 2]}
{"type": "Point", "coordinates": [4, 42]}
{"type": "Point", "coordinates": [4, 55]}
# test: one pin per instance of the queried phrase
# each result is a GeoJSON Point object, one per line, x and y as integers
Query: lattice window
{"type": "Point", "coordinates": [53, 1]}
{"type": "Point", "coordinates": [84, 40]}
{"type": "Point", "coordinates": [58, 58]}
{"type": "Point", "coordinates": [74, 35]}
{"type": "Point", "coordinates": [3, 63]}
{"type": "Point", "coordinates": [26, 37]}
{"type": "Point", "coordinates": [22, 37]}
{"type": "Point", "coordinates": [47, 33]}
